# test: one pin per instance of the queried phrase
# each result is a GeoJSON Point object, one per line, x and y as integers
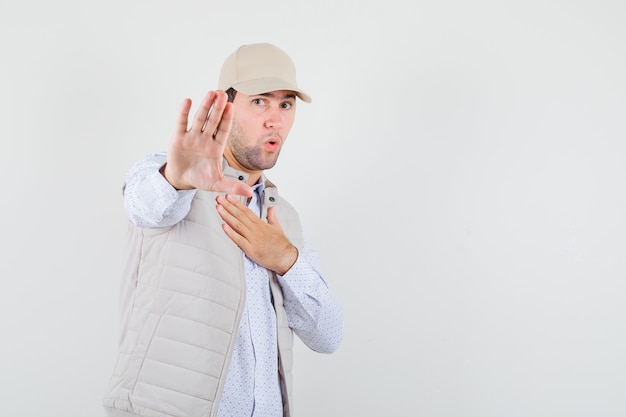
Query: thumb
{"type": "Point", "coordinates": [232, 187]}
{"type": "Point", "coordinates": [241, 188]}
{"type": "Point", "coordinates": [271, 216]}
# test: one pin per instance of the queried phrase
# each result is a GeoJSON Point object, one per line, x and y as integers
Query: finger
{"type": "Point", "coordinates": [238, 239]}
{"type": "Point", "coordinates": [214, 117]}
{"type": "Point", "coordinates": [203, 112]}
{"type": "Point", "coordinates": [236, 208]}
{"type": "Point", "coordinates": [231, 220]}
{"type": "Point", "coordinates": [183, 116]}
{"type": "Point", "coordinates": [223, 129]}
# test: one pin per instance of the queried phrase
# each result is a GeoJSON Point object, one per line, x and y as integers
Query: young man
{"type": "Point", "coordinates": [219, 275]}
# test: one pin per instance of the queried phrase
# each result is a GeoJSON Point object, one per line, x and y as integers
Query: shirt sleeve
{"type": "Point", "coordinates": [313, 312]}
{"type": "Point", "coordinates": [151, 201]}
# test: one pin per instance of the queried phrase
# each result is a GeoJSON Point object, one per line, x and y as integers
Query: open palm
{"type": "Point", "coordinates": [194, 158]}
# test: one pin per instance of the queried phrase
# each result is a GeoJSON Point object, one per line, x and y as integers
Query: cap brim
{"type": "Point", "coordinates": [265, 85]}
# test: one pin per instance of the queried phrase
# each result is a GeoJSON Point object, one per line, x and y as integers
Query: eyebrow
{"type": "Point", "coordinates": [271, 94]}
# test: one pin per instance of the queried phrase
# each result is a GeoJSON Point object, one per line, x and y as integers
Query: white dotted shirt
{"type": "Point", "coordinates": [252, 386]}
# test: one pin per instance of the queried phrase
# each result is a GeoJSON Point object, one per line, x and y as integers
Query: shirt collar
{"type": "Point", "coordinates": [237, 175]}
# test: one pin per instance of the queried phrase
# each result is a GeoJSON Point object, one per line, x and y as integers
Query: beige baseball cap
{"type": "Point", "coordinates": [260, 68]}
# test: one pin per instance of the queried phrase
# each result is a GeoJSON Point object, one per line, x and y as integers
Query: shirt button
{"type": "Point", "coordinates": [272, 199]}
{"type": "Point", "coordinates": [241, 178]}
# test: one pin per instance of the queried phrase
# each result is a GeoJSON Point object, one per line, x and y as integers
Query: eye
{"type": "Point", "coordinates": [286, 105]}
{"type": "Point", "coordinates": [259, 101]}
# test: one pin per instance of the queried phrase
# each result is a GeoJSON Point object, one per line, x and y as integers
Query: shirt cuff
{"type": "Point", "coordinates": [302, 282]}
{"type": "Point", "coordinates": [168, 195]}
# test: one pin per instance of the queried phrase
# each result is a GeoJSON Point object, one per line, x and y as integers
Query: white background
{"type": "Point", "coordinates": [460, 173]}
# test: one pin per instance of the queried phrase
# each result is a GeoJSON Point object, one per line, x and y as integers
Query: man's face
{"type": "Point", "coordinates": [260, 127]}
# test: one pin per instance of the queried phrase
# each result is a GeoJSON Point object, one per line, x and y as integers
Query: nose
{"type": "Point", "coordinates": [274, 120]}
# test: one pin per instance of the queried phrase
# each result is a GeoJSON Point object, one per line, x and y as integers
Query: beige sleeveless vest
{"type": "Point", "coordinates": [186, 309]}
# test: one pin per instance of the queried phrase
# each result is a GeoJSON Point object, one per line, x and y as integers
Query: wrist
{"type": "Point", "coordinates": [289, 260]}
{"type": "Point", "coordinates": [168, 177]}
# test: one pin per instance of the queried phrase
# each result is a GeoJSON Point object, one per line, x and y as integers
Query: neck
{"type": "Point", "coordinates": [253, 176]}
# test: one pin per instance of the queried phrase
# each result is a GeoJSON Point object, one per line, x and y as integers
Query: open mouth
{"type": "Point", "coordinates": [272, 144]}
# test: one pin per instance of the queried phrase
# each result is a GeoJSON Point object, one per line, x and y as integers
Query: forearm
{"type": "Point", "coordinates": [149, 200]}
{"type": "Point", "coordinates": [314, 313]}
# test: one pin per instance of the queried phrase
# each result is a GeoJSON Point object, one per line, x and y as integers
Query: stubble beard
{"type": "Point", "coordinates": [250, 157]}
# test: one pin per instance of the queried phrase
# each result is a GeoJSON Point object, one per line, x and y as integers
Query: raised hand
{"type": "Point", "coordinates": [194, 157]}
